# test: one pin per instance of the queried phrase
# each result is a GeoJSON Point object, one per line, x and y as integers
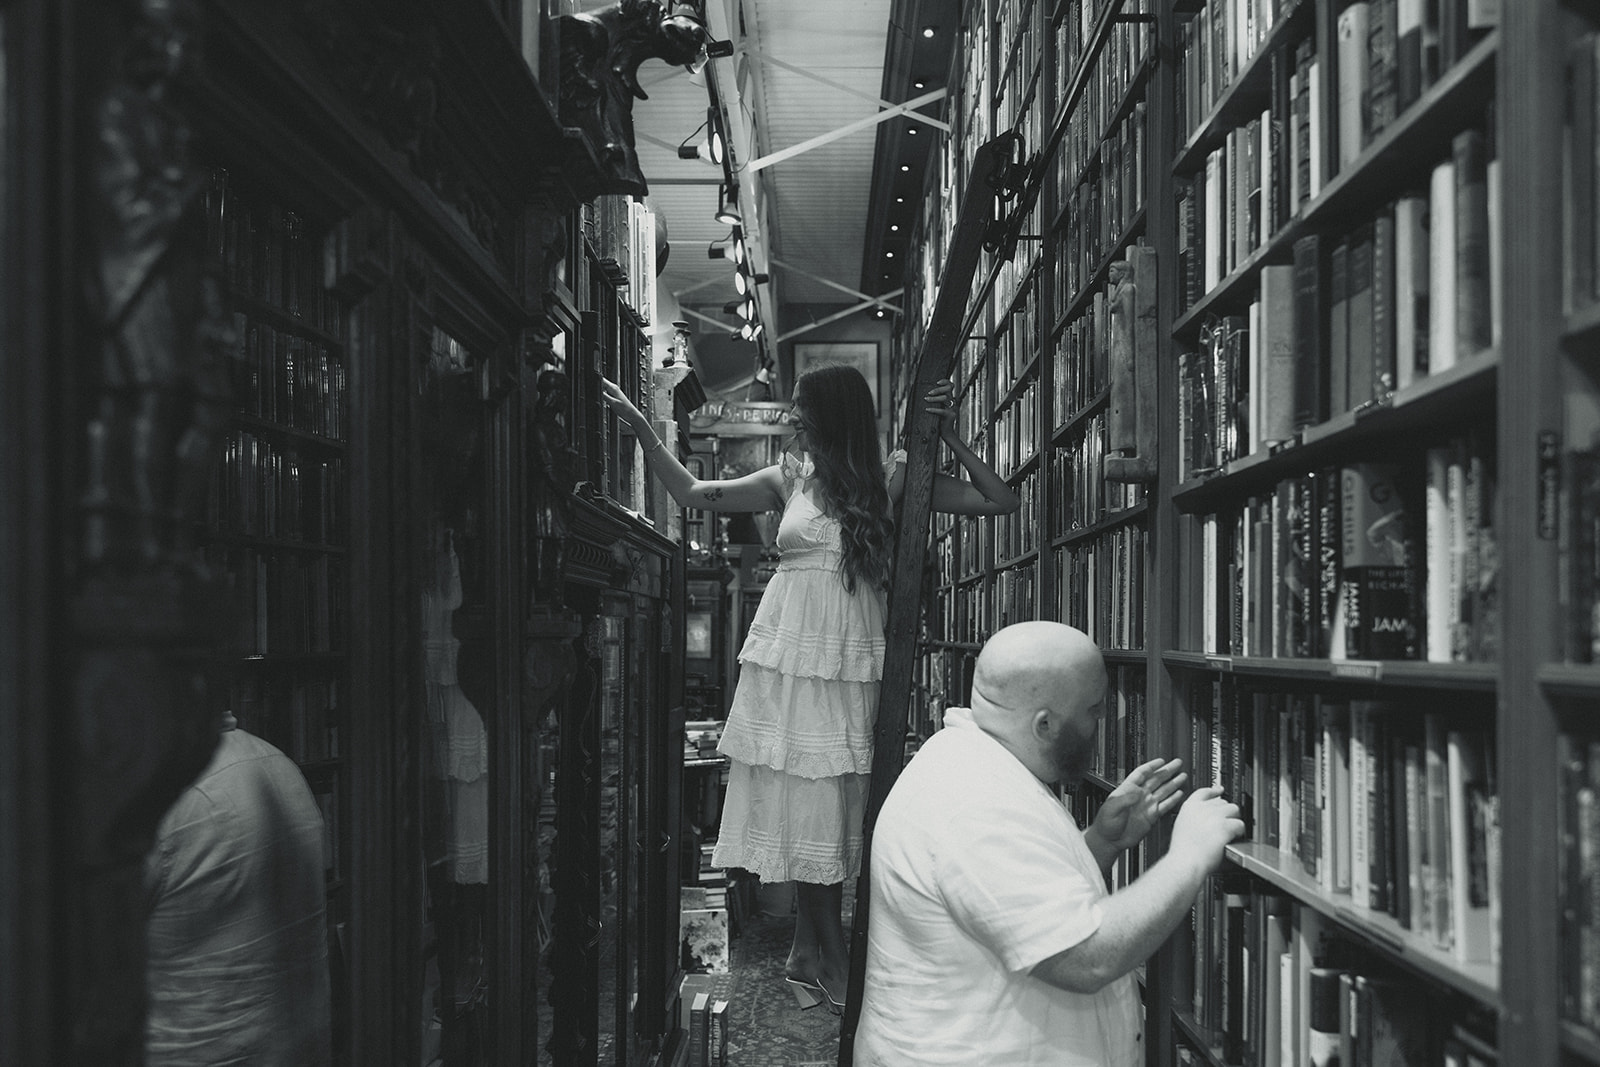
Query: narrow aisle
{"type": "Point", "coordinates": [766, 1028]}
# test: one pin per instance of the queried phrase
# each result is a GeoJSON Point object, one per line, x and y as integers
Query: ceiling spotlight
{"type": "Point", "coordinates": [919, 85]}
{"type": "Point", "coordinates": [888, 255]}
{"type": "Point", "coordinates": [929, 31]}
{"type": "Point", "coordinates": [747, 331]}
{"type": "Point", "coordinates": [739, 251]}
{"type": "Point", "coordinates": [912, 130]}
{"type": "Point", "coordinates": [894, 227]}
{"type": "Point", "coordinates": [899, 199]}
{"type": "Point", "coordinates": [741, 281]}
{"type": "Point", "coordinates": [719, 49]}
{"type": "Point", "coordinates": [904, 167]}
{"type": "Point", "coordinates": [716, 135]}
{"type": "Point", "coordinates": [728, 205]}
{"type": "Point", "coordinates": [711, 149]}
{"type": "Point", "coordinates": [755, 331]}
{"type": "Point", "coordinates": [880, 313]}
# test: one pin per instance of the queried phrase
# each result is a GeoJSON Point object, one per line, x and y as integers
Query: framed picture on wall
{"type": "Point", "coordinates": [862, 355]}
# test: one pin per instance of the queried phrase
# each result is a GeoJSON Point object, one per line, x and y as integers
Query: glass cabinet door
{"type": "Point", "coordinates": [459, 706]}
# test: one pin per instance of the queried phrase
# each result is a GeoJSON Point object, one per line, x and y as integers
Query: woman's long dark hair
{"type": "Point", "coordinates": [836, 408]}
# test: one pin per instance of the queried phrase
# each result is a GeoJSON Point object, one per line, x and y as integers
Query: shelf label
{"type": "Point", "coordinates": [1366, 670]}
{"type": "Point", "coordinates": [1219, 663]}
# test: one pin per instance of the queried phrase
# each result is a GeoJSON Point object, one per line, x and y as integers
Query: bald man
{"type": "Point", "coordinates": [991, 937]}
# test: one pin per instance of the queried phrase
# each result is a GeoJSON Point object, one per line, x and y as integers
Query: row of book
{"type": "Point", "coordinates": [284, 378]}
{"type": "Point", "coordinates": [1015, 432]}
{"type": "Point", "coordinates": [1018, 270]}
{"type": "Point", "coordinates": [264, 251]}
{"type": "Point", "coordinates": [1395, 807]}
{"type": "Point", "coordinates": [1019, 32]}
{"type": "Point", "coordinates": [962, 612]}
{"type": "Point", "coordinates": [1232, 206]}
{"type": "Point", "coordinates": [1016, 345]}
{"type": "Point", "coordinates": [1100, 586]}
{"type": "Point", "coordinates": [1125, 53]}
{"type": "Point", "coordinates": [622, 232]}
{"type": "Point", "coordinates": [1120, 734]}
{"type": "Point", "coordinates": [1578, 885]}
{"type": "Point", "coordinates": [1388, 52]}
{"type": "Point", "coordinates": [1015, 598]}
{"type": "Point", "coordinates": [1099, 212]}
{"type": "Point", "coordinates": [1080, 495]}
{"type": "Point", "coordinates": [1085, 803]}
{"type": "Point", "coordinates": [1018, 533]}
{"type": "Point", "coordinates": [1116, 150]}
{"type": "Point", "coordinates": [286, 603]}
{"type": "Point", "coordinates": [301, 713]}
{"type": "Point", "coordinates": [1408, 294]}
{"type": "Point", "coordinates": [939, 683]}
{"type": "Point", "coordinates": [264, 489]}
{"type": "Point", "coordinates": [1385, 55]}
{"type": "Point", "coordinates": [1274, 986]}
{"type": "Point", "coordinates": [1579, 542]}
{"type": "Point", "coordinates": [1082, 359]}
{"type": "Point", "coordinates": [974, 557]}
{"type": "Point", "coordinates": [704, 1018]}
{"type": "Point", "coordinates": [1371, 561]}
{"type": "Point", "coordinates": [975, 409]}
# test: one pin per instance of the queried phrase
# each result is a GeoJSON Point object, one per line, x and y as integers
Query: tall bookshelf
{"type": "Point", "coordinates": [1285, 163]}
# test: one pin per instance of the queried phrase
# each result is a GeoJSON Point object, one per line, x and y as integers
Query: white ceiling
{"type": "Point", "coordinates": [814, 204]}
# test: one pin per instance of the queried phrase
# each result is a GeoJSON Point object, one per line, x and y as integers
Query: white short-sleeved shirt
{"type": "Point", "coordinates": [979, 872]}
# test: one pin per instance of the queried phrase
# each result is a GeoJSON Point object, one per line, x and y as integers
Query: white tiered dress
{"type": "Point", "coordinates": [799, 732]}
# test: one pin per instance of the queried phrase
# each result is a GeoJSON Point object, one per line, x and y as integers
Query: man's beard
{"type": "Point", "coordinates": [1071, 757]}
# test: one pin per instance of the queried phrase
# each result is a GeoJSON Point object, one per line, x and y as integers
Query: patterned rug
{"type": "Point", "coordinates": [766, 1027]}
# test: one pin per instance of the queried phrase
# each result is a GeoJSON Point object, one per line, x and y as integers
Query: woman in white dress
{"type": "Point", "coordinates": [799, 731]}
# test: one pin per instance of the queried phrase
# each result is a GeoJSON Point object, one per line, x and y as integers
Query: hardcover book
{"type": "Point", "coordinates": [1377, 572]}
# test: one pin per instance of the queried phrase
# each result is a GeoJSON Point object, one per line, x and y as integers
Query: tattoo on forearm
{"type": "Point", "coordinates": [713, 494]}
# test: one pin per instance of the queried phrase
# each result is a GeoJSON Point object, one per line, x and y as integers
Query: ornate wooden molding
{"type": "Point", "coordinates": [600, 56]}
{"type": "Point", "coordinates": [388, 63]}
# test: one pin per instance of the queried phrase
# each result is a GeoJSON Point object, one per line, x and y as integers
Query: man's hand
{"type": "Point", "coordinates": [1206, 824]}
{"type": "Point", "coordinates": [1132, 810]}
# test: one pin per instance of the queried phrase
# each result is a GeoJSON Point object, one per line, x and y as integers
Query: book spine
{"type": "Point", "coordinates": [1310, 369]}
{"type": "Point", "coordinates": [1408, 52]}
{"type": "Point", "coordinates": [1473, 323]}
{"type": "Point", "coordinates": [1411, 256]}
{"type": "Point", "coordinates": [1382, 374]}
{"type": "Point", "coordinates": [1359, 360]}
{"type": "Point", "coordinates": [1338, 353]}
{"type": "Point", "coordinates": [1442, 270]}
{"type": "Point", "coordinates": [1350, 71]}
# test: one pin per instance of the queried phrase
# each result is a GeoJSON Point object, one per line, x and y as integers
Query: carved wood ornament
{"type": "Point", "coordinates": [600, 56]}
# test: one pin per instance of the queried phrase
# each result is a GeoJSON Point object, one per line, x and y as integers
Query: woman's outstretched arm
{"type": "Point", "coordinates": [761, 491]}
{"type": "Point", "coordinates": [986, 494]}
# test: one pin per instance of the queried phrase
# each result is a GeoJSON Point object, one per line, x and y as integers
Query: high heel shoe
{"type": "Point", "coordinates": [835, 1007]}
{"type": "Point", "coordinates": [807, 994]}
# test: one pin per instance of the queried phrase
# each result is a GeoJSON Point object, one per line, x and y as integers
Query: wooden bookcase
{"type": "Point", "coordinates": [306, 308]}
{"type": "Point", "coordinates": [1517, 387]}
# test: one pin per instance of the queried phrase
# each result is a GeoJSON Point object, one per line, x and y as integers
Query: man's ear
{"type": "Point", "coordinates": [1041, 726]}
